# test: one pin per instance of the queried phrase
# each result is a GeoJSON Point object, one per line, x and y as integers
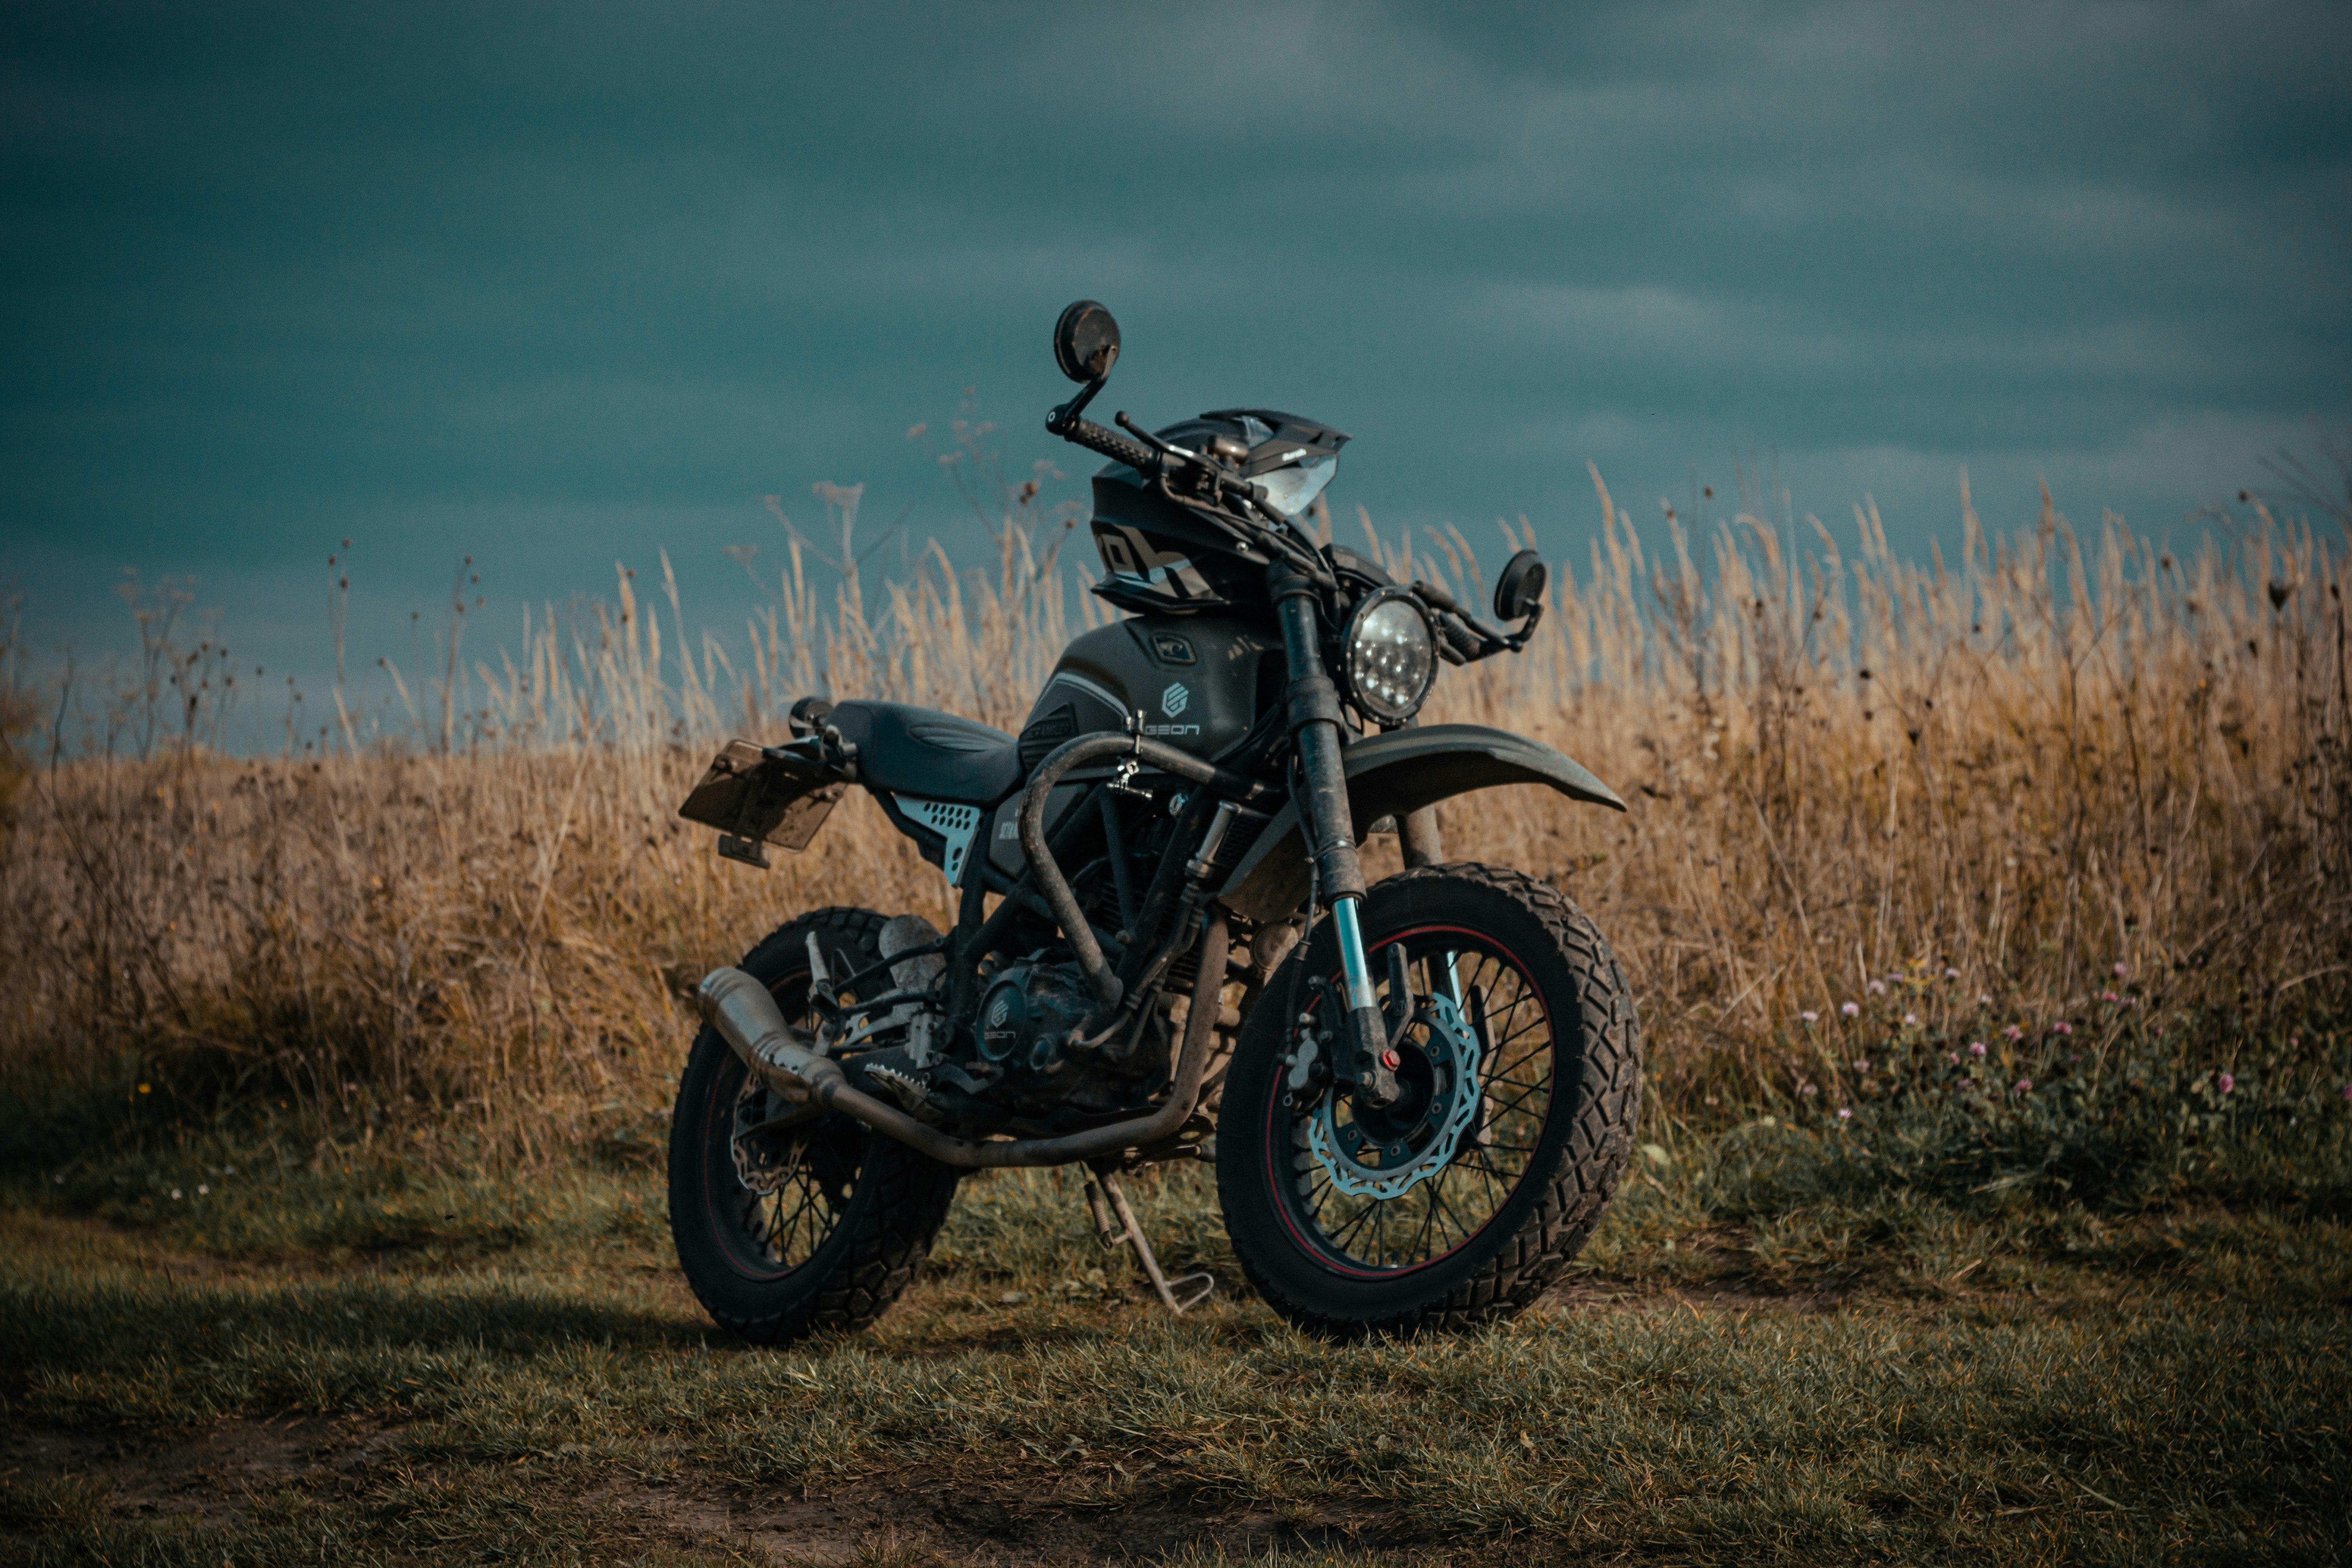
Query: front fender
{"type": "Point", "coordinates": [1393, 775]}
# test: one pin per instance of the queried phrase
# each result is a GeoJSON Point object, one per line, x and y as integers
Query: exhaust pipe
{"type": "Point", "coordinates": [747, 1018]}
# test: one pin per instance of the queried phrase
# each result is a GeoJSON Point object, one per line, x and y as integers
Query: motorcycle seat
{"type": "Point", "coordinates": [927, 754]}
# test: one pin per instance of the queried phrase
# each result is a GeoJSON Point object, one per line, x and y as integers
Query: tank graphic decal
{"type": "Point", "coordinates": [1079, 682]}
{"type": "Point", "coordinates": [1126, 553]}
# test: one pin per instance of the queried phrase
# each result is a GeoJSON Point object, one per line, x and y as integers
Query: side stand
{"type": "Point", "coordinates": [1104, 1183]}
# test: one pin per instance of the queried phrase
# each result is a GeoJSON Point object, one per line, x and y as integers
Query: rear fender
{"type": "Point", "coordinates": [1392, 775]}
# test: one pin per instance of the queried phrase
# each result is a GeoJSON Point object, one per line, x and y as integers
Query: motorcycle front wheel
{"type": "Point", "coordinates": [786, 1226]}
{"type": "Point", "coordinates": [1462, 1200]}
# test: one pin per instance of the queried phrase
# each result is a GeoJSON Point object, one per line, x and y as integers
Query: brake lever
{"type": "Point", "coordinates": [1165, 449]}
{"type": "Point", "coordinates": [1228, 484]}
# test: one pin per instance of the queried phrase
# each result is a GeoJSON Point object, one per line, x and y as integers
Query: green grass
{"type": "Point", "coordinates": [1761, 1356]}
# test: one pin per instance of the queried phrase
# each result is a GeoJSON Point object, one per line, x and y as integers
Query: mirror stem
{"type": "Point", "coordinates": [1062, 418]}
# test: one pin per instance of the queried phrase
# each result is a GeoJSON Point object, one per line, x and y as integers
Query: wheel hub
{"type": "Point", "coordinates": [1386, 1152]}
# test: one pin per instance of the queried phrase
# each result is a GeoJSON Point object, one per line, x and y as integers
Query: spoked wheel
{"type": "Point", "coordinates": [787, 1225]}
{"type": "Point", "coordinates": [1463, 1199]}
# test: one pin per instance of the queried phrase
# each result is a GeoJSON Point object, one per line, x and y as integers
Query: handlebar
{"type": "Point", "coordinates": [1462, 638]}
{"type": "Point", "coordinates": [1111, 444]}
{"type": "Point", "coordinates": [1161, 461]}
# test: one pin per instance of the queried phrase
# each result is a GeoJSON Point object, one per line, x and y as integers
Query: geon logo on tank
{"type": "Point", "coordinates": [1172, 702]}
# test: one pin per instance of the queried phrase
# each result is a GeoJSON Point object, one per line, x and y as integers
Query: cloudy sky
{"type": "Point", "coordinates": [558, 285]}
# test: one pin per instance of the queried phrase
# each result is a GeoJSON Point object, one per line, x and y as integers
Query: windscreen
{"type": "Point", "coordinates": [1301, 472]}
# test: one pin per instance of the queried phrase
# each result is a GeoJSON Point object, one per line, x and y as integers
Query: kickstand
{"type": "Point", "coordinates": [1104, 1183]}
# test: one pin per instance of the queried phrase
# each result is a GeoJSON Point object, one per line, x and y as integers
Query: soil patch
{"type": "Point", "coordinates": [923, 1517]}
{"type": "Point", "coordinates": [210, 1474]}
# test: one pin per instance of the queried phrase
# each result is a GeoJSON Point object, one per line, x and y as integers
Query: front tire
{"type": "Point", "coordinates": [1500, 1190]}
{"type": "Point", "coordinates": [819, 1226]}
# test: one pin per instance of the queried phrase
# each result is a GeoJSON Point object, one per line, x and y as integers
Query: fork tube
{"type": "Point", "coordinates": [1312, 707]}
{"type": "Point", "coordinates": [1352, 963]}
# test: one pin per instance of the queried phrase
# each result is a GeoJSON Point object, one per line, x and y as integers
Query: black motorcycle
{"type": "Point", "coordinates": [1418, 1096]}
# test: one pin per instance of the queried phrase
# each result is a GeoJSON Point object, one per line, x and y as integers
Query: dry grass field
{"type": "Point", "coordinates": [1990, 922]}
{"type": "Point", "coordinates": [2056, 769]}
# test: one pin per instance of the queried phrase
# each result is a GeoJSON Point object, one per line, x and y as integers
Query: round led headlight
{"type": "Point", "coordinates": [1389, 659]}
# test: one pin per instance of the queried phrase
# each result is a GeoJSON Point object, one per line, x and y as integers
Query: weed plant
{"type": "Point", "coordinates": [2060, 770]}
{"type": "Point", "coordinates": [1988, 922]}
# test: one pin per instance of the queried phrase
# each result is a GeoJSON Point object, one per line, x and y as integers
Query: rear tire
{"type": "Point", "coordinates": [848, 1215]}
{"type": "Point", "coordinates": [1507, 1194]}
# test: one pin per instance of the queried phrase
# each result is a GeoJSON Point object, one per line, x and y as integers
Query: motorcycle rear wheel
{"type": "Point", "coordinates": [1501, 1196]}
{"type": "Point", "coordinates": [819, 1226]}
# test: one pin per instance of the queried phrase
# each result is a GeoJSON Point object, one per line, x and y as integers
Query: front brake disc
{"type": "Point", "coordinates": [1452, 1106]}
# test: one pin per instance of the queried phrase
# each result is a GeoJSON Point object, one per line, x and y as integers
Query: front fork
{"type": "Point", "coordinates": [1367, 1057]}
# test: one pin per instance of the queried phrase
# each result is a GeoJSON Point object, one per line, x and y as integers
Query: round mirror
{"type": "Point", "coordinates": [1520, 588]}
{"type": "Point", "coordinates": [1086, 341]}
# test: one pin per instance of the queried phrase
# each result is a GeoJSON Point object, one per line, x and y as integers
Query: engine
{"type": "Point", "coordinates": [1028, 1011]}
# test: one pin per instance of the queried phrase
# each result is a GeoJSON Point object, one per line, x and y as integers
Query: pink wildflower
{"type": "Point", "coordinates": [2348, 1091]}
{"type": "Point", "coordinates": [1852, 1009]}
{"type": "Point", "coordinates": [2226, 1083]}
{"type": "Point", "coordinates": [2061, 1027]}
{"type": "Point", "coordinates": [1976, 1048]}
{"type": "Point", "coordinates": [1844, 1112]}
{"type": "Point", "coordinates": [1878, 988]}
{"type": "Point", "coordinates": [1953, 1058]}
{"type": "Point", "coordinates": [1809, 1018]}
{"type": "Point", "coordinates": [1984, 1001]}
{"type": "Point", "coordinates": [2122, 970]}
{"type": "Point", "coordinates": [2024, 1085]}
{"type": "Point", "coordinates": [2014, 1033]}
{"type": "Point", "coordinates": [1910, 1020]}
{"type": "Point", "coordinates": [2109, 996]}
{"type": "Point", "coordinates": [1805, 1090]}
{"type": "Point", "coordinates": [1863, 1065]}
{"type": "Point", "coordinates": [1952, 974]}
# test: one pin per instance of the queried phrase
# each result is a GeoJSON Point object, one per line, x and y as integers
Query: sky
{"type": "Point", "coordinates": [563, 285]}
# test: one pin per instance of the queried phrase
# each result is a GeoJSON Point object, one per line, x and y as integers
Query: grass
{"type": "Point", "coordinates": [351, 1363]}
{"type": "Point", "coordinates": [2062, 769]}
{"type": "Point", "coordinates": [1987, 921]}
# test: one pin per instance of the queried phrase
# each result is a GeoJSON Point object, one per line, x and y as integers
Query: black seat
{"type": "Point", "coordinates": [927, 754]}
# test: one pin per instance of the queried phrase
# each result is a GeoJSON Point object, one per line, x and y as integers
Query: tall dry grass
{"type": "Point", "coordinates": [2062, 765]}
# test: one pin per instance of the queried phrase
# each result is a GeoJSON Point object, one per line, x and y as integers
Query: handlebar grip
{"type": "Point", "coordinates": [1112, 445]}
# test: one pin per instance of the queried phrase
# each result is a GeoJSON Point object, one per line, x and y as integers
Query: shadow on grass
{"type": "Point", "coordinates": [120, 1343]}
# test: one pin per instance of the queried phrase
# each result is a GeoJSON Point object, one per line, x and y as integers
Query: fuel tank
{"type": "Point", "coordinates": [1195, 682]}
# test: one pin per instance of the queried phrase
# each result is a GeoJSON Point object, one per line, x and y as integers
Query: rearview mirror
{"type": "Point", "coordinates": [1520, 588]}
{"type": "Point", "coordinates": [1086, 341]}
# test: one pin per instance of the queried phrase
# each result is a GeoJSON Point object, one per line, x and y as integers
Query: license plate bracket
{"type": "Point", "coordinates": [763, 795]}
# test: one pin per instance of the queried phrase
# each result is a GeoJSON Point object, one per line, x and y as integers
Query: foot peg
{"type": "Point", "coordinates": [1105, 1184]}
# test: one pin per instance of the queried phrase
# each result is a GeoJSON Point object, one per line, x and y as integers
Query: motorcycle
{"type": "Point", "coordinates": [1418, 1096]}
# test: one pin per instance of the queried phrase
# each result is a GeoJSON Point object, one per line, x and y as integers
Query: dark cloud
{"type": "Point", "coordinates": [549, 283]}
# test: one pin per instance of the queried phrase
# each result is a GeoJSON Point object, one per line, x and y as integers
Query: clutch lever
{"type": "Point", "coordinates": [1488, 641]}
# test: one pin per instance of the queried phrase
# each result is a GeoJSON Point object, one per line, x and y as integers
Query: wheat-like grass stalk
{"type": "Point", "coordinates": [2061, 760]}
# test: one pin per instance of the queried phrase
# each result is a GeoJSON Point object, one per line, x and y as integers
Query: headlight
{"type": "Point", "coordinates": [1390, 661]}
